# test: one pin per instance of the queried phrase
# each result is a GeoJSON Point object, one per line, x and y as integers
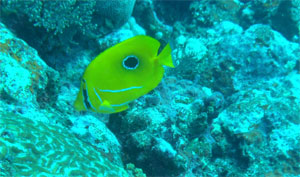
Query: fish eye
{"type": "Point", "coordinates": [131, 62]}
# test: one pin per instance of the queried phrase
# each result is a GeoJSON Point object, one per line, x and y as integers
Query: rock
{"type": "Point", "coordinates": [195, 49]}
{"type": "Point", "coordinates": [94, 131]}
{"type": "Point", "coordinates": [263, 121]}
{"type": "Point", "coordinates": [25, 77]}
{"type": "Point", "coordinates": [127, 31]}
{"type": "Point", "coordinates": [260, 53]}
{"type": "Point", "coordinates": [116, 11]}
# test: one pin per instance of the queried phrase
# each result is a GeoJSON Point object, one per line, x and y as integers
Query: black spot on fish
{"type": "Point", "coordinates": [131, 62]}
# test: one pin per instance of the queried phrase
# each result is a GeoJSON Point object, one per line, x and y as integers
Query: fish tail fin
{"type": "Point", "coordinates": [165, 57]}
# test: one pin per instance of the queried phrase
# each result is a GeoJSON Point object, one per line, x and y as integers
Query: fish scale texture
{"type": "Point", "coordinates": [30, 147]}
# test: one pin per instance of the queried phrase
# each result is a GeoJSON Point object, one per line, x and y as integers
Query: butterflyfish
{"type": "Point", "coordinates": [121, 74]}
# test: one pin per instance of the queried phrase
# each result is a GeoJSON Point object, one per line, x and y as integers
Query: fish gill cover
{"type": "Point", "coordinates": [230, 107]}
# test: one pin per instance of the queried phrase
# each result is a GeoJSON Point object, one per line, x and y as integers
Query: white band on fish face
{"type": "Point", "coordinates": [131, 62]}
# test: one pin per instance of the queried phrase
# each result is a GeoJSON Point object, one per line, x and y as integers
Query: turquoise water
{"type": "Point", "coordinates": [230, 107]}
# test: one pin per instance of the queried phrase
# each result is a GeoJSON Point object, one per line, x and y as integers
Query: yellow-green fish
{"type": "Point", "coordinates": [122, 74]}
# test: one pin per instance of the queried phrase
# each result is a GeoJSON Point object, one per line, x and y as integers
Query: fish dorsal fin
{"type": "Point", "coordinates": [106, 107]}
{"type": "Point", "coordinates": [165, 57]}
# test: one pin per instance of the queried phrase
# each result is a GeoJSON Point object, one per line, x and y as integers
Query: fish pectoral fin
{"type": "Point", "coordinates": [106, 107]}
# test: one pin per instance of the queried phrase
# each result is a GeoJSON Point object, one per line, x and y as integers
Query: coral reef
{"type": "Point", "coordinates": [30, 88]}
{"type": "Point", "coordinates": [61, 26]}
{"type": "Point", "coordinates": [114, 13]}
{"type": "Point", "coordinates": [130, 29]}
{"type": "Point", "coordinates": [94, 131]}
{"type": "Point", "coordinates": [235, 58]}
{"type": "Point", "coordinates": [25, 76]}
{"type": "Point", "coordinates": [33, 148]}
{"type": "Point", "coordinates": [60, 16]}
{"type": "Point", "coordinates": [264, 134]}
{"type": "Point", "coordinates": [147, 17]}
{"type": "Point", "coordinates": [259, 53]}
{"type": "Point", "coordinates": [281, 15]}
{"type": "Point", "coordinates": [156, 131]}
{"type": "Point", "coordinates": [197, 130]}
{"type": "Point", "coordinates": [229, 108]}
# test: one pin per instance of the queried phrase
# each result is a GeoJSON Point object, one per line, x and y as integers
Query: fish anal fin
{"type": "Point", "coordinates": [122, 108]}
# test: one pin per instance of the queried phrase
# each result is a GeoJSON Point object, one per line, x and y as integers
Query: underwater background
{"type": "Point", "coordinates": [230, 107]}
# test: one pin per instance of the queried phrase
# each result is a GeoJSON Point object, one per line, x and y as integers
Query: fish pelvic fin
{"type": "Point", "coordinates": [165, 57]}
{"type": "Point", "coordinates": [105, 107]}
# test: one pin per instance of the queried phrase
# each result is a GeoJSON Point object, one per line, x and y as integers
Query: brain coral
{"type": "Point", "coordinates": [33, 148]}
